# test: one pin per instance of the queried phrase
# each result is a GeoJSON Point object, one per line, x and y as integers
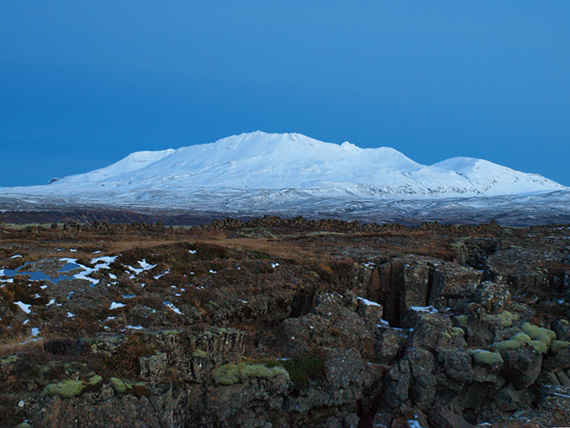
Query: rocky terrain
{"type": "Point", "coordinates": [284, 323]}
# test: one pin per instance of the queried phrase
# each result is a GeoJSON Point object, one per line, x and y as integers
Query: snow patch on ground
{"type": "Point", "coordinates": [368, 302]}
{"type": "Point", "coordinates": [173, 308]}
{"type": "Point", "coordinates": [144, 266]}
{"type": "Point", "coordinates": [115, 305]}
{"type": "Point", "coordinates": [24, 306]}
{"type": "Point", "coordinates": [426, 309]}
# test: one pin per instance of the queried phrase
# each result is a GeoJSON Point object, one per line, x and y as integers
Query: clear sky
{"type": "Point", "coordinates": [85, 83]}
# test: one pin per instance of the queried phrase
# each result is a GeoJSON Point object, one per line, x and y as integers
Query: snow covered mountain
{"type": "Point", "coordinates": [259, 171]}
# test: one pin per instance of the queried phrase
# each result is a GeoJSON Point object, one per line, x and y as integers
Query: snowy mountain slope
{"type": "Point", "coordinates": [132, 162]}
{"type": "Point", "coordinates": [259, 170]}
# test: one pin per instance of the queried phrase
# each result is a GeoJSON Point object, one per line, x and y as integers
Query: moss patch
{"type": "Point", "coordinates": [486, 358]}
{"type": "Point", "coordinates": [241, 372]}
{"type": "Point", "coordinates": [118, 385]}
{"type": "Point", "coordinates": [517, 341]}
{"type": "Point", "coordinates": [453, 332]}
{"type": "Point", "coordinates": [538, 333]}
{"type": "Point", "coordinates": [462, 320]}
{"type": "Point", "coordinates": [558, 345]}
{"type": "Point", "coordinates": [65, 389]}
{"type": "Point", "coordinates": [505, 318]}
{"type": "Point", "coordinates": [307, 366]}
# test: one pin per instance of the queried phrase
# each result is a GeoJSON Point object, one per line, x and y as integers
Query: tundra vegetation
{"type": "Point", "coordinates": [284, 323]}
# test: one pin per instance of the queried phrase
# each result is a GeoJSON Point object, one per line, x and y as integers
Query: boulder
{"type": "Point", "coordinates": [456, 365]}
{"type": "Point", "coordinates": [492, 296]}
{"type": "Point", "coordinates": [562, 329]}
{"type": "Point", "coordinates": [522, 366]}
{"type": "Point", "coordinates": [416, 277]}
{"type": "Point", "coordinates": [559, 356]}
{"type": "Point", "coordinates": [346, 378]}
{"type": "Point", "coordinates": [453, 285]}
{"type": "Point", "coordinates": [443, 417]}
{"type": "Point", "coordinates": [396, 384]}
{"type": "Point", "coordinates": [507, 399]}
{"type": "Point", "coordinates": [389, 345]}
{"type": "Point", "coordinates": [422, 381]}
{"type": "Point", "coordinates": [334, 321]}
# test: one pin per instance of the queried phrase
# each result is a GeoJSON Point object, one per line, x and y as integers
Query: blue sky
{"type": "Point", "coordinates": [83, 84]}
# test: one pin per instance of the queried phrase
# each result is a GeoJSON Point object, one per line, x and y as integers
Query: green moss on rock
{"type": "Point", "coordinates": [241, 372]}
{"type": "Point", "coordinates": [227, 375]}
{"type": "Point", "coordinates": [453, 333]}
{"type": "Point", "coordinates": [517, 341]}
{"type": "Point", "coordinates": [505, 318]}
{"type": "Point", "coordinates": [462, 320]}
{"type": "Point", "coordinates": [307, 366]}
{"type": "Point", "coordinates": [557, 345]}
{"type": "Point", "coordinates": [540, 346]}
{"type": "Point", "coordinates": [118, 385]}
{"type": "Point", "coordinates": [539, 333]}
{"type": "Point", "coordinates": [486, 358]}
{"type": "Point", "coordinates": [94, 380]}
{"type": "Point", "coordinates": [65, 389]}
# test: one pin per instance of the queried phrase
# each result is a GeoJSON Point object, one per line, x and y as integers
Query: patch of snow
{"type": "Point", "coordinates": [135, 327]}
{"type": "Point", "coordinates": [24, 306]}
{"type": "Point", "coordinates": [143, 267]}
{"type": "Point", "coordinates": [104, 262]}
{"type": "Point", "coordinates": [414, 423]}
{"type": "Point", "coordinates": [274, 265]}
{"type": "Point", "coordinates": [35, 331]}
{"type": "Point", "coordinates": [192, 251]}
{"type": "Point", "coordinates": [16, 256]}
{"type": "Point", "coordinates": [174, 308]}
{"type": "Point", "coordinates": [162, 274]}
{"type": "Point", "coordinates": [115, 305]}
{"type": "Point", "coordinates": [368, 302]}
{"type": "Point", "coordinates": [25, 322]}
{"type": "Point", "coordinates": [212, 271]}
{"type": "Point", "coordinates": [72, 250]}
{"type": "Point", "coordinates": [426, 309]}
{"type": "Point", "coordinates": [70, 314]}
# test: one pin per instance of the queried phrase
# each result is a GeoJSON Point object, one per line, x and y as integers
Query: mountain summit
{"type": "Point", "coordinates": [258, 160]}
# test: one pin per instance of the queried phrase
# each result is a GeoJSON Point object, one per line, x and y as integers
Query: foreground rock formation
{"type": "Point", "coordinates": [284, 323]}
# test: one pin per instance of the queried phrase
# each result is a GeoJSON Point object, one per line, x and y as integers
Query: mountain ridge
{"type": "Point", "coordinates": [291, 174]}
{"type": "Point", "coordinates": [259, 160]}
